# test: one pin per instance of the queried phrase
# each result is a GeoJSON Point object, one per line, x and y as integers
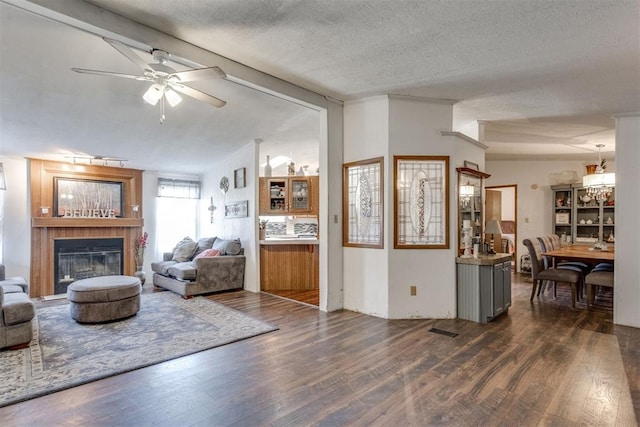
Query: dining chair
{"type": "Point", "coordinates": [549, 243]}
{"type": "Point", "coordinates": [597, 278]}
{"type": "Point", "coordinates": [552, 274]}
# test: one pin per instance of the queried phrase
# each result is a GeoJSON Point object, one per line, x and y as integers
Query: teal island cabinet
{"type": "Point", "coordinates": [483, 287]}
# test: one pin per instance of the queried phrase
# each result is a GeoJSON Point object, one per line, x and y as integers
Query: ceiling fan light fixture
{"type": "Point", "coordinates": [172, 97]}
{"type": "Point", "coordinates": [153, 94]}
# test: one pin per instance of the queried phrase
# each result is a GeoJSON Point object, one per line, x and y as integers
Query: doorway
{"type": "Point", "coordinates": [502, 205]}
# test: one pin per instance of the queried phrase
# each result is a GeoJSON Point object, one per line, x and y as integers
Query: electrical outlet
{"type": "Point", "coordinates": [413, 291]}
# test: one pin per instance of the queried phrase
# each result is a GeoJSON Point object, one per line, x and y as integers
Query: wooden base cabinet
{"type": "Point", "coordinates": [484, 287]}
{"type": "Point", "coordinates": [289, 267]}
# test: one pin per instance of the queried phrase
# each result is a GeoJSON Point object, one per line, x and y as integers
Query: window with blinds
{"type": "Point", "coordinates": [178, 188]}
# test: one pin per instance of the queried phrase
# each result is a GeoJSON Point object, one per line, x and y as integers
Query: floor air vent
{"type": "Point", "coordinates": [442, 332]}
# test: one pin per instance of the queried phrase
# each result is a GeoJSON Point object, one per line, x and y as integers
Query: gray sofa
{"type": "Point", "coordinates": [202, 275]}
{"type": "Point", "coordinates": [16, 311]}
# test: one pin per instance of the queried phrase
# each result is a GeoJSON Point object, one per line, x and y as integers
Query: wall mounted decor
{"type": "Point", "coordinates": [211, 209]}
{"type": "Point", "coordinates": [471, 165]}
{"type": "Point", "coordinates": [239, 176]}
{"type": "Point", "coordinates": [362, 203]}
{"type": "Point", "coordinates": [224, 184]}
{"type": "Point", "coordinates": [84, 198]}
{"type": "Point", "coordinates": [236, 209]}
{"type": "Point", "coordinates": [421, 200]}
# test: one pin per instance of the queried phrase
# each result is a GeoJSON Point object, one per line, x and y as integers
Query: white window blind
{"type": "Point", "coordinates": [178, 188]}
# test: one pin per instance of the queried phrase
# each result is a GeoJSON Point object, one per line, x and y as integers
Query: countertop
{"type": "Point", "coordinates": [289, 241]}
{"type": "Point", "coordinates": [484, 259]}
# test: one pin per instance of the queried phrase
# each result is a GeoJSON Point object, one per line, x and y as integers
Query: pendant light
{"type": "Point", "coordinates": [599, 185]}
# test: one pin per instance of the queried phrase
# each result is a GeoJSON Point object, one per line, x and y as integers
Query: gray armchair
{"type": "Point", "coordinates": [16, 314]}
{"type": "Point", "coordinates": [12, 284]}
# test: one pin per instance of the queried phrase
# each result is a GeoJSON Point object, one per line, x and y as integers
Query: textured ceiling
{"type": "Point", "coordinates": [545, 76]}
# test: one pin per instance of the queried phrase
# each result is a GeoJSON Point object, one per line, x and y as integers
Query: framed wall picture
{"type": "Point", "coordinates": [239, 177]}
{"type": "Point", "coordinates": [362, 203]}
{"type": "Point", "coordinates": [421, 200]}
{"type": "Point", "coordinates": [471, 165]}
{"type": "Point", "coordinates": [84, 198]}
{"type": "Point", "coordinates": [236, 209]}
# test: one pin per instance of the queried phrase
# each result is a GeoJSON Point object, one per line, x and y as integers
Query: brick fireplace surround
{"type": "Point", "coordinates": [46, 227]}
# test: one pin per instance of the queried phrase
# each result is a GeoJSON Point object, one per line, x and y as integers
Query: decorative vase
{"type": "Point", "coordinates": [262, 234]}
{"type": "Point", "coordinates": [140, 274]}
{"type": "Point", "coordinates": [267, 168]}
{"type": "Point", "coordinates": [591, 169]}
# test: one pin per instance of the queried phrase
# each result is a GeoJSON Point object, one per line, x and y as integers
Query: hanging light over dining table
{"type": "Point", "coordinates": [600, 184]}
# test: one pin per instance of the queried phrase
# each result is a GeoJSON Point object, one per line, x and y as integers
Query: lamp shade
{"type": "Point", "coordinates": [467, 190]}
{"type": "Point", "coordinates": [493, 227]}
{"type": "Point", "coordinates": [599, 180]}
{"type": "Point", "coordinates": [153, 94]}
{"type": "Point", "coordinates": [172, 97]}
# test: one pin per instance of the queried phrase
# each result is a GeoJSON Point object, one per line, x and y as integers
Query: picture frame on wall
{"type": "Point", "coordinates": [236, 209]}
{"type": "Point", "coordinates": [421, 201]}
{"type": "Point", "coordinates": [85, 198]}
{"type": "Point", "coordinates": [363, 203]}
{"type": "Point", "coordinates": [471, 165]}
{"type": "Point", "coordinates": [239, 178]}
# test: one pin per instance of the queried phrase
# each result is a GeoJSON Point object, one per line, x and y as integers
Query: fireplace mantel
{"type": "Point", "coordinates": [46, 228]}
{"type": "Point", "coordinates": [87, 222]}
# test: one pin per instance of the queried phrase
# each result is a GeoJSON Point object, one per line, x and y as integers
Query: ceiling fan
{"type": "Point", "coordinates": [165, 81]}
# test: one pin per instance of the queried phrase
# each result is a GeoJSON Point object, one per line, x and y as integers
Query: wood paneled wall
{"type": "Point", "coordinates": [45, 228]}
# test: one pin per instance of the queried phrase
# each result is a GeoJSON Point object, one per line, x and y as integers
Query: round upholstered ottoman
{"type": "Point", "coordinates": [104, 298]}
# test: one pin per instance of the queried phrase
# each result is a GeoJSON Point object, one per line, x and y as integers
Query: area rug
{"type": "Point", "coordinates": [65, 354]}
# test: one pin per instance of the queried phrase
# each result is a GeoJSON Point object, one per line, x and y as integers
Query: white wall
{"type": "Point", "coordinates": [627, 285]}
{"type": "Point", "coordinates": [16, 231]}
{"type": "Point", "coordinates": [415, 128]}
{"type": "Point", "coordinates": [243, 228]}
{"type": "Point", "coordinates": [330, 218]}
{"type": "Point", "coordinates": [378, 281]}
{"type": "Point", "coordinates": [366, 271]}
{"type": "Point", "coordinates": [149, 208]}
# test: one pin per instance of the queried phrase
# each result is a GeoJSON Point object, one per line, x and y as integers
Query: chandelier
{"type": "Point", "coordinates": [599, 185]}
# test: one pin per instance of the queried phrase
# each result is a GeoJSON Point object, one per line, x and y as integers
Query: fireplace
{"type": "Point", "coordinates": [77, 259]}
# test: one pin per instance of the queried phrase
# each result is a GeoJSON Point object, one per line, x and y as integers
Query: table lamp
{"type": "Point", "coordinates": [493, 227]}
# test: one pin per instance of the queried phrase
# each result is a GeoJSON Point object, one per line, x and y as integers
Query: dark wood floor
{"type": "Point", "coordinates": [311, 297]}
{"type": "Point", "coordinates": [541, 364]}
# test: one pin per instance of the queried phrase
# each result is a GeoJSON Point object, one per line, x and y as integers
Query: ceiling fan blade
{"type": "Point", "coordinates": [200, 74]}
{"type": "Point", "coordinates": [109, 73]}
{"type": "Point", "coordinates": [200, 96]}
{"type": "Point", "coordinates": [130, 54]}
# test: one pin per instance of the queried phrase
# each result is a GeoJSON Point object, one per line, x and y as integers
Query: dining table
{"type": "Point", "coordinates": [585, 253]}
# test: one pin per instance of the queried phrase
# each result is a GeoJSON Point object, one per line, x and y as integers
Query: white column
{"type": "Point", "coordinates": [627, 219]}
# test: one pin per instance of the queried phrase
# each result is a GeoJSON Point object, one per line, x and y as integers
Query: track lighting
{"type": "Point", "coordinates": [106, 161]}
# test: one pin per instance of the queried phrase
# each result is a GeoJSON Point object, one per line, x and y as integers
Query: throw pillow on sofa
{"type": "Point", "coordinates": [184, 250]}
{"type": "Point", "coordinates": [204, 244]}
{"type": "Point", "coordinates": [207, 253]}
{"type": "Point", "coordinates": [227, 247]}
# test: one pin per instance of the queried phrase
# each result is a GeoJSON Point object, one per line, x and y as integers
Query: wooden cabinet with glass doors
{"type": "Point", "coordinates": [289, 195]}
{"type": "Point", "coordinates": [470, 202]}
{"type": "Point", "coordinates": [563, 212]}
{"type": "Point", "coordinates": [594, 221]}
